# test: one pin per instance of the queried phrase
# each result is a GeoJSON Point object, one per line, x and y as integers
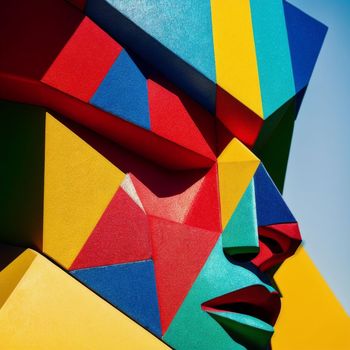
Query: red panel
{"type": "Point", "coordinates": [205, 210]}
{"type": "Point", "coordinates": [179, 252]}
{"type": "Point", "coordinates": [240, 120]}
{"type": "Point", "coordinates": [84, 62]}
{"type": "Point", "coordinates": [141, 141]}
{"type": "Point", "coordinates": [173, 117]}
{"type": "Point", "coordinates": [120, 236]}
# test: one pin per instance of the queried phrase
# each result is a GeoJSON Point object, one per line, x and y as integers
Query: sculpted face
{"type": "Point", "coordinates": [161, 208]}
{"type": "Point", "coordinates": [211, 286]}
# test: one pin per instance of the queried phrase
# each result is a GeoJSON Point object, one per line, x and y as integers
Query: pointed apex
{"type": "Point", "coordinates": [237, 166]}
{"type": "Point", "coordinates": [235, 151]}
{"type": "Point", "coordinates": [128, 186]}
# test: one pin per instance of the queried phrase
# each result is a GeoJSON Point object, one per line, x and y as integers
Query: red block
{"type": "Point", "coordinates": [205, 210]}
{"type": "Point", "coordinates": [171, 118]}
{"type": "Point", "coordinates": [179, 252]}
{"type": "Point", "coordinates": [83, 63]}
{"type": "Point", "coordinates": [240, 120]}
{"type": "Point", "coordinates": [121, 235]}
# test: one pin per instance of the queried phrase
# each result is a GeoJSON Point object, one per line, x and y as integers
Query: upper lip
{"type": "Point", "coordinates": [256, 301]}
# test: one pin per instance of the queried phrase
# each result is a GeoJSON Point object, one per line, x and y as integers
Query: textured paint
{"type": "Point", "coordinates": [310, 310]}
{"type": "Point", "coordinates": [120, 236]}
{"type": "Point", "coordinates": [63, 314]}
{"type": "Point", "coordinates": [79, 184]}
{"type": "Point", "coordinates": [305, 36]}
{"type": "Point", "coordinates": [84, 61]}
{"type": "Point", "coordinates": [123, 92]}
{"type": "Point", "coordinates": [273, 55]}
{"type": "Point", "coordinates": [271, 208]}
{"type": "Point", "coordinates": [183, 27]}
{"type": "Point", "coordinates": [235, 57]}
{"type": "Point", "coordinates": [237, 166]}
{"type": "Point", "coordinates": [193, 328]}
{"type": "Point", "coordinates": [241, 235]}
{"type": "Point", "coordinates": [179, 252]}
{"type": "Point", "coordinates": [130, 287]}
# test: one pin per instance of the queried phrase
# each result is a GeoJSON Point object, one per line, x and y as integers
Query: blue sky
{"type": "Point", "coordinates": [317, 186]}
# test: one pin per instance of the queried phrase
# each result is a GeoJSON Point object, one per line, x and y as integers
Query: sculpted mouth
{"type": "Point", "coordinates": [248, 315]}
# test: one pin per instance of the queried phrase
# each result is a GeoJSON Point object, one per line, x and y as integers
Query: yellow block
{"type": "Point", "coordinates": [235, 55]}
{"type": "Point", "coordinates": [236, 166]}
{"type": "Point", "coordinates": [79, 184]}
{"type": "Point", "coordinates": [311, 317]}
{"type": "Point", "coordinates": [12, 273]}
{"type": "Point", "coordinates": [49, 309]}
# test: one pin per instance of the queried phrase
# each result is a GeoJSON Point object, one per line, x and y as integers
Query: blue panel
{"type": "Point", "coordinates": [270, 206]}
{"type": "Point", "coordinates": [306, 37]}
{"type": "Point", "coordinates": [273, 56]}
{"type": "Point", "coordinates": [130, 287]}
{"type": "Point", "coordinates": [123, 92]}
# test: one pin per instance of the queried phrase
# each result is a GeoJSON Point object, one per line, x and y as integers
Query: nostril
{"type": "Point", "coordinates": [277, 243]}
{"type": "Point", "coordinates": [273, 244]}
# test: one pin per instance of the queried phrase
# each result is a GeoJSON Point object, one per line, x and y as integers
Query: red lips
{"type": "Point", "coordinates": [254, 300]}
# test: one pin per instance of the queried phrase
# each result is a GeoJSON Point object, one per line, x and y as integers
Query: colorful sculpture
{"type": "Point", "coordinates": [139, 174]}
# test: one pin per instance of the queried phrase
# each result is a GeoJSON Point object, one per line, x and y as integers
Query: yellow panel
{"type": "Point", "coordinates": [235, 55]}
{"type": "Point", "coordinates": [311, 317]}
{"type": "Point", "coordinates": [12, 274]}
{"type": "Point", "coordinates": [79, 184]}
{"type": "Point", "coordinates": [49, 309]}
{"type": "Point", "coordinates": [237, 166]}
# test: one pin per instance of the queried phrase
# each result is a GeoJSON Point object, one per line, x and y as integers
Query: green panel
{"type": "Point", "coordinates": [255, 334]}
{"type": "Point", "coordinates": [274, 141]}
{"type": "Point", "coordinates": [22, 174]}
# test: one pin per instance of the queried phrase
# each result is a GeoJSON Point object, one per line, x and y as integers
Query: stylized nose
{"type": "Point", "coordinates": [240, 237]}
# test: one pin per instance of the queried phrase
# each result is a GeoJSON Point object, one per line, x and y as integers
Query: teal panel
{"type": "Point", "coordinates": [182, 26]}
{"type": "Point", "coordinates": [273, 55]}
{"type": "Point", "coordinates": [241, 235]}
{"type": "Point", "coordinates": [192, 328]}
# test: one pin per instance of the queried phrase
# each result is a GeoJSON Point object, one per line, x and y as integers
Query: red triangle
{"type": "Point", "coordinates": [179, 252]}
{"type": "Point", "coordinates": [177, 118]}
{"type": "Point", "coordinates": [205, 210]}
{"type": "Point", "coordinates": [121, 235]}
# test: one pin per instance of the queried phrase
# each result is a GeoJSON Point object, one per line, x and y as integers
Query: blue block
{"type": "Point", "coordinates": [130, 287]}
{"type": "Point", "coordinates": [270, 206]}
{"type": "Point", "coordinates": [123, 92]}
{"type": "Point", "coordinates": [305, 35]}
